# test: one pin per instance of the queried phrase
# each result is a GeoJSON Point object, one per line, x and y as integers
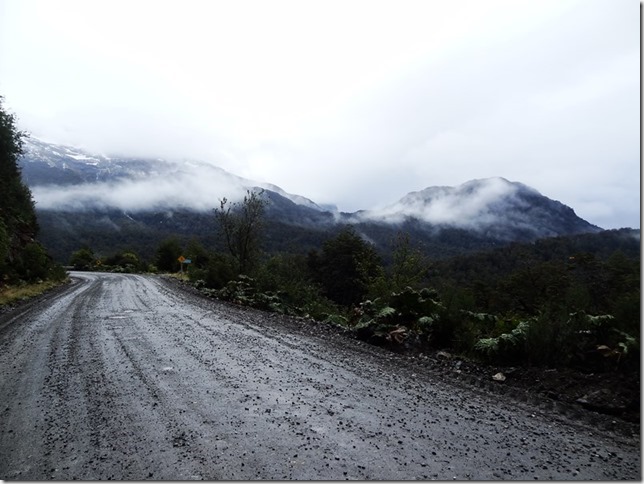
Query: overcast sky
{"type": "Point", "coordinates": [354, 103]}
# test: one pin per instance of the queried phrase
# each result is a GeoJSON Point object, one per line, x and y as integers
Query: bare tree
{"type": "Point", "coordinates": [241, 224]}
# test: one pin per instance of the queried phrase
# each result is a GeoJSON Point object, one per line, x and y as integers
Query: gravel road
{"type": "Point", "coordinates": [127, 377]}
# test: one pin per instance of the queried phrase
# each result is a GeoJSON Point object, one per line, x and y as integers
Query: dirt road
{"type": "Point", "coordinates": [125, 377]}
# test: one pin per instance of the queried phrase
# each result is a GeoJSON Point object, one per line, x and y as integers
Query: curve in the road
{"type": "Point", "coordinates": [124, 377]}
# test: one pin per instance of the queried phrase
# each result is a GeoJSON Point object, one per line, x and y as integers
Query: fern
{"type": "Point", "coordinates": [599, 321]}
{"type": "Point", "coordinates": [385, 312]}
{"type": "Point", "coordinates": [483, 317]}
{"type": "Point", "coordinates": [487, 346]}
{"type": "Point", "coordinates": [505, 343]}
{"type": "Point", "coordinates": [628, 344]}
{"type": "Point", "coordinates": [426, 322]}
{"type": "Point", "coordinates": [336, 319]}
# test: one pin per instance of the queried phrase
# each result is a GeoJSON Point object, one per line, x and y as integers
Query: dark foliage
{"type": "Point", "coordinates": [345, 267]}
{"type": "Point", "coordinates": [240, 226]}
{"type": "Point", "coordinates": [167, 255]}
{"type": "Point", "coordinates": [83, 259]}
{"type": "Point", "coordinates": [22, 258]}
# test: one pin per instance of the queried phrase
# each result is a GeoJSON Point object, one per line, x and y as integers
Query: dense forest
{"type": "Point", "coordinates": [22, 258]}
{"type": "Point", "coordinates": [567, 301]}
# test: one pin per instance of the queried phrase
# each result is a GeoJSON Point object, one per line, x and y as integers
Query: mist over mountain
{"type": "Point", "coordinates": [494, 206]}
{"type": "Point", "coordinates": [86, 198]}
{"type": "Point", "coordinates": [93, 181]}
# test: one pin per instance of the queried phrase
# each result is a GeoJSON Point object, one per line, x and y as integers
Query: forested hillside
{"type": "Point", "coordinates": [124, 203]}
{"type": "Point", "coordinates": [562, 301]}
{"type": "Point", "coordinates": [22, 258]}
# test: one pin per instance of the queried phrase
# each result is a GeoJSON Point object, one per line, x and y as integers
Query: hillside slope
{"type": "Point", "coordinates": [111, 203]}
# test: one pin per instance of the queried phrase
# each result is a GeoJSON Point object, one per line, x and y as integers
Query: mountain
{"type": "Point", "coordinates": [493, 207]}
{"type": "Point", "coordinates": [111, 203]}
{"type": "Point", "coordinates": [94, 181]}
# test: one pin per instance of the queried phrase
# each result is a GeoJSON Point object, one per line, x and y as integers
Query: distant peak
{"type": "Point", "coordinates": [489, 205]}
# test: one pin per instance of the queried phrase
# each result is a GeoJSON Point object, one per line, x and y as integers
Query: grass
{"type": "Point", "coordinates": [12, 294]}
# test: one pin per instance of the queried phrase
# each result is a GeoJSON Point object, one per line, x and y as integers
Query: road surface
{"type": "Point", "coordinates": [126, 377]}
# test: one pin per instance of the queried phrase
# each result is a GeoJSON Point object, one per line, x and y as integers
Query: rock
{"type": "Point", "coordinates": [498, 377]}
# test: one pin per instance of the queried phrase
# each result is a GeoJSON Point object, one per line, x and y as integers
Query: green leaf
{"type": "Point", "coordinates": [385, 312]}
{"type": "Point", "coordinates": [426, 322]}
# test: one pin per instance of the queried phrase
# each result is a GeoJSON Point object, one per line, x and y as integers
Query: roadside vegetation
{"type": "Point", "coordinates": [564, 302]}
{"type": "Point", "coordinates": [13, 294]}
{"type": "Point", "coordinates": [25, 267]}
{"type": "Point", "coordinates": [561, 302]}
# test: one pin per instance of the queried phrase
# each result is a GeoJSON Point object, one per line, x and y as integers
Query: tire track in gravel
{"type": "Point", "coordinates": [466, 448]}
{"type": "Point", "coordinates": [139, 381]}
{"type": "Point", "coordinates": [66, 412]}
{"type": "Point", "coordinates": [28, 427]}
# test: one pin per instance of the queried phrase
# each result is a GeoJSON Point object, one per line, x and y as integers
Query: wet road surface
{"type": "Point", "coordinates": [125, 377]}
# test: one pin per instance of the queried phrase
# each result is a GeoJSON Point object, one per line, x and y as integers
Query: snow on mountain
{"type": "Point", "coordinates": [97, 181]}
{"type": "Point", "coordinates": [69, 179]}
{"type": "Point", "coordinates": [297, 199]}
{"type": "Point", "coordinates": [38, 150]}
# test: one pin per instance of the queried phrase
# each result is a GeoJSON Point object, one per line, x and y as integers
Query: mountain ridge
{"type": "Point", "coordinates": [43, 162]}
{"type": "Point", "coordinates": [67, 181]}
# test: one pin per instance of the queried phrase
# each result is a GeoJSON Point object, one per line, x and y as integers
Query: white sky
{"type": "Point", "coordinates": [349, 102]}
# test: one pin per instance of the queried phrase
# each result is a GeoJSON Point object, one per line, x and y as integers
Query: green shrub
{"type": "Point", "coordinates": [83, 259]}
{"type": "Point", "coordinates": [554, 339]}
{"type": "Point", "coordinates": [243, 291]}
{"type": "Point", "coordinates": [34, 262]}
{"type": "Point", "coordinates": [218, 272]}
{"type": "Point", "coordinates": [345, 267]}
{"type": "Point", "coordinates": [407, 317]}
{"type": "Point", "coordinates": [507, 347]}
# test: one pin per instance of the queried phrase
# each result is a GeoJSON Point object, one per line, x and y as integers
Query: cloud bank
{"type": "Point", "coordinates": [349, 102]}
{"type": "Point", "coordinates": [471, 204]}
{"type": "Point", "coordinates": [190, 185]}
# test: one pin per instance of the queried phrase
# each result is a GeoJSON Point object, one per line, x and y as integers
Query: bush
{"type": "Point", "coordinates": [243, 291]}
{"type": "Point", "coordinates": [407, 318]}
{"type": "Point", "coordinates": [168, 254]}
{"type": "Point", "coordinates": [507, 347]}
{"type": "Point", "coordinates": [554, 339]}
{"type": "Point", "coordinates": [288, 275]}
{"type": "Point", "coordinates": [57, 273]}
{"type": "Point", "coordinates": [218, 272]}
{"type": "Point", "coordinates": [345, 268]}
{"type": "Point", "coordinates": [34, 262]}
{"type": "Point", "coordinates": [83, 259]}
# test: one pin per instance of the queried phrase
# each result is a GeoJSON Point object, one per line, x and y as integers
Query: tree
{"type": "Point", "coordinates": [409, 266]}
{"type": "Point", "coordinates": [196, 252]}
{"type": "Point", "coordinates": [168, 254]}
{"type": "Point", "coordinates": [18, 225]}
{"type": "Point", "coordinates": [126, 260]}
{"type": "Point", "coordinates": [4, 243]}
{"type": "Point", "coordinates": [83, 259]}
{"type": "Point", "coordinates": [241, 224]}
{"type": "Point", "coordinates": [346, 267]}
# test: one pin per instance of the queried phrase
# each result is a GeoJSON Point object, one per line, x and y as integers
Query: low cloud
{"type": "Point", "coordinates": [402, 96]}
{"type": "Point", "coordinates": [194, 189]}
{"type": "Point", "coordinates": [470, 205]}
{"type": "Point", "coordinates": [143, 185]}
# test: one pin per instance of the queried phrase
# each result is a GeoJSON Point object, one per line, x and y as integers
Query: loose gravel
{"type": "Point", "coordinates": [129, 377]}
